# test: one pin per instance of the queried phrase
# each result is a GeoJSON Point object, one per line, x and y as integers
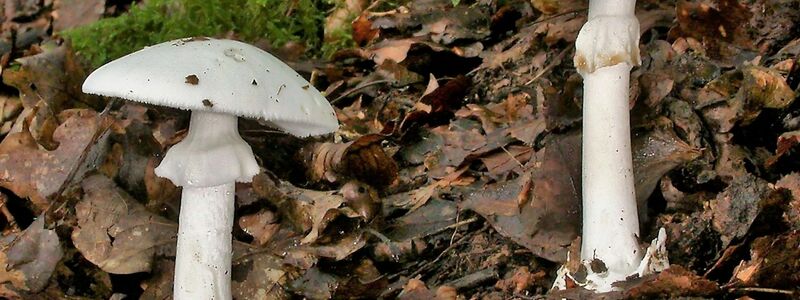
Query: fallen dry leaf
{"type": "Point", "coordinates": [116, 233]}
{"type": "Point", "coordinates": [547, 222]}
{"type": "Point", "coordinates": [416, 289]}
{"type": "Point", "coordinates": [673, 282]}
{"type": "Point", "coordinates": [30, 257]}
{"type": "Point", "coordinates": [791, 216]}
{"type": "Point", "coordinates": [315, 284]}
{"type": "Point", "coordinates": [363, 159]}
{"type": "Point", "coordinates": [723, 27]}
{"type": "Point", "coordinates": [738, 205]}
{"type": "Point", "coordinates": [654, 155]}
{"type": "Point", "coordinates": [774, 262]}
{"type": "Point", "coordinates": [160, 285]}
{"type": "Point", "coordinates": [73, 13]}
{"type": "Point", "coordinates": [31, 172]}
{"type": "Point", "coordinates": [395, 50]}
{"type": "Point", "coordinates": [520, 280]}
{"type": "Point", "coordinates": [765, 87]}
{"type": "Point", "coordinates": [261, 225]}
{"type": "Point", "coordinates": [259, 277]}
{"type": "Point", "coordinates": [419, 197]}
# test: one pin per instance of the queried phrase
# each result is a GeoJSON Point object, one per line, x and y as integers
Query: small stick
{"type": "Point", "coordinates": [9, 217]}
{"type": "Point", "coordinates": [357, 88]}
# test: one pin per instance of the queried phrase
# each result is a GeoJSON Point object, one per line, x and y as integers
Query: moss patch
{"type": "Point", "coordinates": [156, 21]}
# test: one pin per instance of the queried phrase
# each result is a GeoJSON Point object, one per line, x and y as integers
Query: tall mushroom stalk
{"type": "Point", "coordinates": [217, 80]}
{"type": "Point", "coordinates": [607, 48]}
{"type": "Point", "coordinates": [207, 163]}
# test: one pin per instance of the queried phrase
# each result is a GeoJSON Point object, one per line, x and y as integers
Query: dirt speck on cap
{"type": "Point", "coordinates": [208, 103]}
{"type": "Point", "coordinates": [192, 79]}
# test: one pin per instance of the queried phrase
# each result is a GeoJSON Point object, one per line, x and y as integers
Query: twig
{"type": "Point", "coordinates": [556, 61]}
{"type": "Point", "coordinates": [389, 243]}
{"type": "Point", "coordinates": [763, 290]}
{"type": "Point", "coordinates": [74, 171]}
{"type": "Point", "coordinates": [357, 88]}
{"type": "Point", "coordinates": [559, 15]}
{"type": "Point", "coordinates": [455, 230]}
{"type": "Point", "coordinates": [12, 222]}
{"type": "Point", "coordinates": [519, 163]}
{"type": "Point", "coordinates": [445, 251]}
{"type": "Point", "coordinates": [474, 279]}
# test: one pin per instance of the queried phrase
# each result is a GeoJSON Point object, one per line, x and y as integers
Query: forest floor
{"type": "Point", "coordinates": [455, 173]}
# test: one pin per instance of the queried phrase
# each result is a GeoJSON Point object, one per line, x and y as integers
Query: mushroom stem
{"type": "Point", "coordinates": [610, 218]}
{"type": "Point", "coordinates": [203, 256]}
{"type": "Point", "coordinates": [207, 163]}
{"type": "Point", "coordinates": [606, 50]}
{"type": "Point", "coordinates": [212, 153]}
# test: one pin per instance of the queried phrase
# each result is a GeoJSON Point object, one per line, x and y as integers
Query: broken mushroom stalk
{"type": "Point", "coordinates": [606, 50]}
{"type": "Point", "coordinates": [217, 80]}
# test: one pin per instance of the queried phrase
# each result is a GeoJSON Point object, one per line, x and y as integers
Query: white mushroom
{"type": "Point", "coordinates": [606, 50]}
{"type": "Point", "coordinates": [217, 80]}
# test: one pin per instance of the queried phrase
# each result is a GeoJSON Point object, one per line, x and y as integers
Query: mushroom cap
{"type": "Point", "coordinates": [222, 76]}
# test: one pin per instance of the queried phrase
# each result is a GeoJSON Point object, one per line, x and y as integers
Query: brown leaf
{"type": "Point", "coordinates": [786, 142]}
{"type": "Point", "coordinates": [395, 50]}
{"type": "Point", "coordinates": [673, 282]}
{"type": "Point", "coordinates": [449, 147]}
{"type": "Point", "coordinates": [738, 205]}
{"type": "Point", "coordinates": [416, 289]}
{"type": "Point", "coordinates": [30, 257]}
{"type": "Point", "coordinates": [548, 222]}
{"type": "Point", "coordinates": [116, 233]}
{"type": "Point", "coordinates": [511, 159]}
{"type": "Point", "coordinates": [339, 19]}
{"type": "Point", "coordinates": [159, 286]}
{"type": "Point", "coordinates": [310, 212]}
{"type": "Point", "coordinates": [766, 88]}
{"type": "Point", "coordinates": [774, 262]}
{"type": "Point", "coordinates": [440, 21]}
{"type": "Point", "coordinates": [438, 106]}
{"type": "Point", "coordinates": [261, 225]}
{"type": "Point", "coordinates": [550, 7]}
{"type": "Point", "coordinates": [655, 86]}
{"type": "Point", "coordinates": [315, 284]}
{"type": "Point", "coordinates": [41, 77]}
{"type": "Point", "coordinates": [73, 13]}
{"type": "Point", "coordinates": [38, 174]}
{"type": "Point", "coordinates": [431, 218]}
{"type": "Point", "coordinates": [366, 282]}
{"type": "Point", "coordinates": [419, 197]}
{"type": "Point", "coordinates": [521, 280]}
{"type": "Point", "coordinates": [363, 159]}
{"type": "Point", "coordinates": [720, 27]}
{"type": "Point", "coordinates": [791, 182]}
{"type": "Point", "coordinates": [45, 88]}
{"type": "Point", "coordinates": [397, 74]}
{"type": "Point", "coordinates": [363, 31]}
{"type": "Point", "coordinates": [259, 276]}
{"type": "Point", "coordinates": [654, 155]}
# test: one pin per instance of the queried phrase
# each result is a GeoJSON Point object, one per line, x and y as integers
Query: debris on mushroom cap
{"type": "Point", "coordinates": [243, 80]}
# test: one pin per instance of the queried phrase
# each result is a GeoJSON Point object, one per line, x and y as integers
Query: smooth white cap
{"type": "Point", "coordinates": [231, 77]}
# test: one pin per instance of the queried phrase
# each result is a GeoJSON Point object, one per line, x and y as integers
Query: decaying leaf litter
{"type": "Point", "coordinates": [455, 172]}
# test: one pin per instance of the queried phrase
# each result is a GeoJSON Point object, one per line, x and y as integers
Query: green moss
{"type": "Point", "coordinates": [156, 21]}
{"type": "Point", "coordinates": [341, 38]}
{"type": "Point", "coordinates": [338, 38]}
